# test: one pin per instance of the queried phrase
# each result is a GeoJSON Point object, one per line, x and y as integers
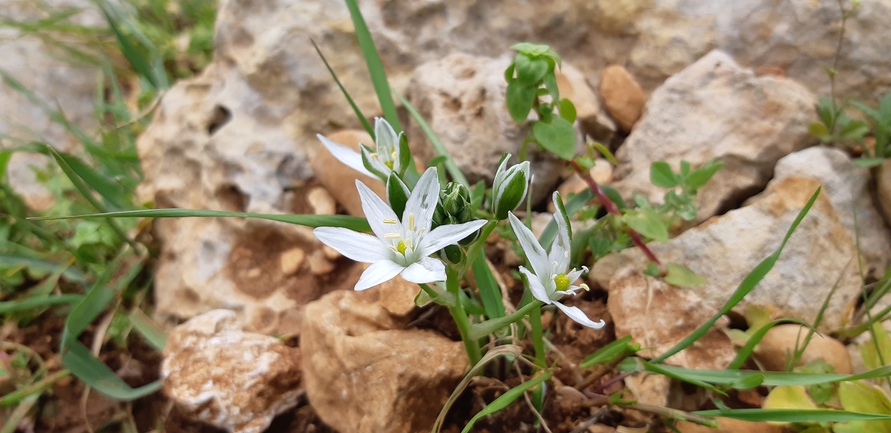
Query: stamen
{"type": "Point", "coordinates": [411, 222]}
{"type": "Point", "coordinates": [392, 236]}
{"type": "Point", "coordinates": [390, 221]}
{"type": "Point", "coordinates": [421, 230]}
{"type": "Point", "coordinates": [585, 286]}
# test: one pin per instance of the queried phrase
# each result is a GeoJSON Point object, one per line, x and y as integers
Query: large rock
{"type": "Point", "coordinates": [716, 109]}
{"type": "Point", "coordinates": [819, 255]}
{"type": "Point", "coordinates": [229, 378]}
{"type": "Point", "coordinates": [848, 187]}
{"type": "Point", "coordinates": [364, 373]}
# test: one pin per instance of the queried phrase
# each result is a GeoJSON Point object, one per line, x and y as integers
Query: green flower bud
{"type": "Point", "coordinates": [455, 207]}
{"type": "Point", "coordinates": [510, 187]}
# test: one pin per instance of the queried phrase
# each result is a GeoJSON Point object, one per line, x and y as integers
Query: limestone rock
{"type": "Point", "coordinates": [364, 374]}
{"type": "Point", "coordinates": [658, 316]}
{"type": "Point", "coordinates": [229, 378]}
{"type": "Point", "coordinates": [622, 96]}
{"type": "Point", "coordinates": [663, 391]}
{"type": "Point", "coordinates": [339, 179]}
{"type": "Point", "coordinates": [726, 248]}
{"type": "Point", "coordinates": [774, 349]}
{"type": "Point", "coordinates": [573, 86]}
{"type": "Point", "coordinates": [848, 188]}
{"type": "Point", "coordinates": [716, 109]}
{"type": "Point", "coordinates": [462, 98]}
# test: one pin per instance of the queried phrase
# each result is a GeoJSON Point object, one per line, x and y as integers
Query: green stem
{"type": "Point", "coordinates": [483, 329]}
{"type": "Point", "coordinates": [538, 344]}
{"type": "Point", "coordinates": [460, 317]}
{"type": "Point", "coordinates": [441, 298]}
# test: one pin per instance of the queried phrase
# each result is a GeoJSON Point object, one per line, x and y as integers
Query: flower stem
{"type": "Point", "coordinates": [460, 317]}
{"type": "Point", "coordinates": [612, 209]}
{"type": "Point", "coordinates": [441, 298]}
{"type": "Point", "coordinates": [537, 337]}
{"type": "Point", "coordinates": [483, 329]}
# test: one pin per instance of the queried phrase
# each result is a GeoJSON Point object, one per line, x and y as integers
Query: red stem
{"type": "Point", "coordinates": [613, 209]}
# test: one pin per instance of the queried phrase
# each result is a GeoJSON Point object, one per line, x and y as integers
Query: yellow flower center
{"type": "Point", "coordinates": [401, 247]}
{"type": "Point", "coordinates": [562, 281]}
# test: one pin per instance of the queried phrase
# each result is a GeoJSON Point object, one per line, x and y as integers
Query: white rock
{"type": "Point", "coordinates": [716, 109]}
{"type": "Point", "coordinates": [231, 379]}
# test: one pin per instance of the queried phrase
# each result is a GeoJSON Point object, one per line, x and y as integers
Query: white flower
{"type": "Point", "coordinates": [399, 247]}
{"type": "Point", "coordinates": [509, 187]}
{"type": "Point", "coordinates": [384, 159]}
{"type": "Point", "coordinates": [552, 278]}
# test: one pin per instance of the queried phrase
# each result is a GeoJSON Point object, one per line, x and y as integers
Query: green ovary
{"type": "Point", "coordinates": [401, 247]}
{"type": "Point", "coordinates": [562, 281]}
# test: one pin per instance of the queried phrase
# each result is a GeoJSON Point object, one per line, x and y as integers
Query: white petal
{"type": "Point", "coordinates": [376, 212]}
{"type": "Point", "coordinates": [537, 256]}
{"type": "Point", "coordinates": [422, 202]}
{"type": "Point", "coordinates": [562, 245]}
{"type": "Point", "coordinates": [360, 247]}
{"type": "Point", "coordinates": [344, 154]}
{"type": "Point", "coordinates": [377, 273]}
{"type": "Point", "coordinates": [447, 235]}
{"type": "Point", "coordinates": [576, 314]}
{"type": "Point", "coordinates": [385, 137]}
{"type": "Point", "coordinates": [427, 271]}
{"type": "Point", "coordinates": [538, 290]}
{"type": "Point", "coordinates": [376, 163]}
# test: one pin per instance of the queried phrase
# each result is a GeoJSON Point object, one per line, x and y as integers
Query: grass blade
{"type": "Point", "coordinates": [72, 274]}
{"type": "Point", "coordinates": [450, 165]}
{"type": "Point", "coordinates": [148, 329]}
{"type": "Point", "coordinates": [490, 293]}
{"type": "Point", "coordinates": [97, 375]}
{"type": "Point", "coordinates": [365, 123]}
{"type": "Point", "coordinates": [375, 67]}
{"type": "Point", "coordinates": [609, 352]}
{"type": "Point", "coordinates": [137, 59]}
{"type": "Point", "coordinates": [748, 284]}
{"type": "Point", "coordinates": [506, 399]}
{"type": "Point", "coordinates": [572, 206]}
{"type": "Point", "coordinates": [346, 221]}
{"type": "Point", "coordinates": [756, 338]}
{"type": "Point", "coordinates": [32, 303]}
{"type": "Point", "coordinates": [792, 415]}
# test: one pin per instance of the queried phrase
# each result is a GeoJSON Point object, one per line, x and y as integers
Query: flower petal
{"type": "Point", "coordinates": [537, 256]}
{"type": "Point", "coordinates": [386, 139]}
{"type": "Point", "coordinates": [344, 154]}
{"type": "Point", "coordinates": [561, 247]}
{"type": "Point", "coordinates": [376, 212]}
{"type": "Point", "coordinates": [575, 313]}
{"type": "Point", "coordinates": [378, 272]}
{"type": "Point", "coordinates": [360, 247]}
{"type": "Point", "coordinates": [427, 270]}
{"type": "Point", "coordinates": [448, 234]}
{"type": "Point", "coordinates": [422, 202]}
{"type": "Point", "coordinates": [538, 290]}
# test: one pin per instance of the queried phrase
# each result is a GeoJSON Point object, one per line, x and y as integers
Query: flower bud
{"type": "Point", "coordinates": [455, 207]}
{"type": "Point", "coordinates": [510, 187]}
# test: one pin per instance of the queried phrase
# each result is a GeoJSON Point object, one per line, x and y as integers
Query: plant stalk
{"type": "Point", "coordinates": [460, 317]}
{"type": "Point", "coordinates": [483, 329]}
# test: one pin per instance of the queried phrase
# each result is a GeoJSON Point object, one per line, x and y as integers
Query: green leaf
{"type": "Point", "coordinates": [77, 358]}
{"type": "Point", "coordinates": [680, 275]}
{"type": "Point", "coordinates": [490, 293]}
{"type": "Point", "coordinates": [550, 82]}
{"type": "Point", "coordinates": [450, 165]}
{"type": "Point", "coordinates": [788, 397]}
{"type": "Point", "coordinates": [790, 415]}
{"type": "Point", "coordinates": [567, 110]}
{"type": "Point", "coordinates": [530, 48]}
{"type": "Point", "coordinates": [818, 130]}
{"type": "Point", "coordinates": [647, 222]}
{"type": "Point", "coordinates": [662, 176]}
{"type": "Point", "coordinates": [755, 338]}
{"type": "Point", "coordinates": [15, 260]}
{"type": "Point", "coordinates": [699, 177]}
{"type": "Point", "coordinates": [397, 193]}
{"type": "Point", "coordinates": [863, 397]}
{"type": "Point", "coordinates": [529, 70]}
{"type": "Point", "coordinates": [506, 399]}
{"type": "Point", "coordinates": [747, 285]}
{"type": "Point", "coordinates": [609, 352]}
{"type": "Point", "coordinates": [138, 60]}
{"type": "Point", "coordinates": [877, 351]}
{"type": "Point", "coordinates": [346, 221]}
{"type": "Point", "coordinates": [32, 303]}
{"type": "Point", "coordinates": [519, 100]}
{"type": "Point", "coordinates": [375, 67]}
{"type": "Point", "coordinates": [556, 135]}
{"type": "Point", "coordinates": [869, 162]}
{"type": "Point", "coordinates": [573, 206]}
{"type": "Point", "coordinates": [365, 123]}
{"type": "Point", "coordinates": [854, 130]}
{"type": "Point", "coordinates": [148, 329]}
{"type": "Point", "coordinates": [658, 369]}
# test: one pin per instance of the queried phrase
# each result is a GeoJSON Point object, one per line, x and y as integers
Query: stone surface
{"type": "Point", "coordinates": [462, 98]}
{"type": "Point", "coordinates": [717, 109]}
{"type": "Point", "coordinates": [848, 187]}
{"type": "Point", "coordinates": [591, 117]}
{"type": "Point", "coordinates": [662, 391]}
{"type": "Point", "coordinates": [229, 378]}
{"type": "Point", "coordinates": [622, 96]}
{"type": "Point", "coordinates": [730, 425]}
{"type": "Point", "coordinates": [883, 183]}
{"type": "Point", "coordinates": [363, 373]}
{"type": "Point", "coordinates": [658, 316]}
{"type": "Point", "coordinates": [773, 350]}
{"type": "Point", "coordinates": [725, 249]}
{"type": "Point", "coordinates": [339, 179]}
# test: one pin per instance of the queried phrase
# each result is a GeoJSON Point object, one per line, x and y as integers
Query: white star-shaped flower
{"type": "Point", "coordinates": [552, 278]}
{"type": "Point", "coordinates": [384, 159]}
{"type": "Point", "coordinates": [399, 247]}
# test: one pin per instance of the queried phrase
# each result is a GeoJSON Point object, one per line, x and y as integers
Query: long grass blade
{"type": "Point", "coordinates": [490, 293]}
{"type": "Point", "coordinates": [148, 329]}
{"type": "Point", "coordinates": [756, 338]}
{"type": "Point", "coordinates": [792, 415]}
{"type": "Point", "coordinates": [506, 399]}
{"type": "Point", "coordinates": [32, 303]}
{"type": "Point", "coordinates": [97, 375]}
{"type": "Point", "coordinates": [365, 123]}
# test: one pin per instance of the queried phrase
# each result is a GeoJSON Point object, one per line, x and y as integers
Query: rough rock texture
{"type": "Point", "coordinates": [229, 378]}
{"type": "Point", "coordinates": [725, 249]}
{"type": "Point", "coordinates": [658, 316]}
{"type": "Point", "coordinates": [363, 373]}
{"type": "Point", "coordinates": [716, 109]}
{"type": "Point", "coordinates": [622, 96]}
{"type": "Point", "coordinates": [592, 118]}
{"type": "Point", "coordinates": [848, 187]}
{"type": "Point", "coordinates": [773, 350]}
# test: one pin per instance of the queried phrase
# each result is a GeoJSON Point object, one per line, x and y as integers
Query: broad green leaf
{"type": "Point", "coordinates": [661, 175]}
{"type": "Point", "coordinates": [346, 221]}
{"type": "Point", "coordinates": [375, 67]}
{"type": "Point", "coordinates": [747, 285]}
{"type": "Point", "coordinates": [877, 351]}
{"type": "Point", "coordinates": [4, 164]}
{"type": "Point", "coordinates": [530, 48]}
{"type": "Point", "coordinates": [567, 110]}
{"type": "Point", "coordinates": [550, 82]}
{"type": "Point", "coordinates": [365, 123]}
{"type": "Point", "coordinates": [506, 399]}
{"type": "Point", "coordinates": [788, 397]}
{"type": "Point", "coordinates": [680, 275]}
{"type": "Point", "coordinates": [699, 177]}
{"type": "Point", "coordinates": [863, 397]}
{"type": "Point", "coordinates": [530, 70]}
{"type": "Point", "coordinates": [556, 135]}
{"type": "Point", "coordinates": [520, 99]}
{"type": "Point", "coordinates": [818, 130]}
{"type": "Point", "coordinates": [648, 223]}
{"type": "Point", "coordinates": [490, 293]}
{"type": "Point", "coordinates": [150, 330]}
